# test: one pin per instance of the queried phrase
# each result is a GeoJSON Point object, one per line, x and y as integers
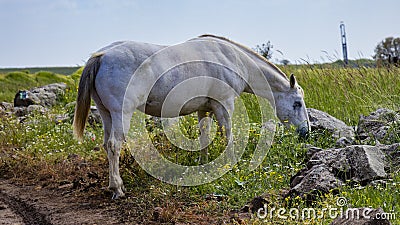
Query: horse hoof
{"type": "Point", "coordinates": [117, 195]}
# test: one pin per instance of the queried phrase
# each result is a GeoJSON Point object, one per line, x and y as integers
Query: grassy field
{"type": "Point", "coordinates": [346, 93]}
{"type": "Point", "coordinates": [58, 70]}
{"type": "Point", "coordinates": [343, 92]}
{"type": "Point", "coordinates": [14, 81]}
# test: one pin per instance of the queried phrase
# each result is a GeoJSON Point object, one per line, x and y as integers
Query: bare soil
{"type": "Point", "coordinates": [73, 191]}
{"type": "Point", "coordinates": [37, 205]}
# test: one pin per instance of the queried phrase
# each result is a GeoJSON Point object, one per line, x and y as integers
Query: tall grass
{"type": "Point", "coordinates": [348, 92]}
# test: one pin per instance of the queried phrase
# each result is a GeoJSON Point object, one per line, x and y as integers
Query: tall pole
{"type": "Point", "coordinates": [344, 43]}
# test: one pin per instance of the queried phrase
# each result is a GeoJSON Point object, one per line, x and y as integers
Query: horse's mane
{"type": "Point", "coordinates": [251, 51]}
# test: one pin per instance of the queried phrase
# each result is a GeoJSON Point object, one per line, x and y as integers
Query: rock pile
{"type": "Point", "coordinates": [39, 100]}
{"type": "Point", "coordinates": [328, 169]}
{"type": "Point", "coordinates": [349, 163]}
{"type": "Point", "coordinates": [382, 126]}
{"type": "Point", "coordinates": [45, 96]}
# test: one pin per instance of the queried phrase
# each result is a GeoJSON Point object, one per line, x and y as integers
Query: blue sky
{"type": "Point", "coordinates": [66, 32]}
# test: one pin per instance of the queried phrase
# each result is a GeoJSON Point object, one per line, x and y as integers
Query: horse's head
{"type": "Point", "coordinates": [291, 109]}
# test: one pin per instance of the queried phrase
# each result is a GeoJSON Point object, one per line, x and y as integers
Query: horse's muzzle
{"type": "Point", "coordinates": [303, 130]}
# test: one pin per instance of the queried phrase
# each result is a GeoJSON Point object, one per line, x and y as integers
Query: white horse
{"type": "Point", "coordinates": [126, 76]}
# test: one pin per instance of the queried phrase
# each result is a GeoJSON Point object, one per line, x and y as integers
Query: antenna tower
{"type": "Point", "coordinates": [344, 43]}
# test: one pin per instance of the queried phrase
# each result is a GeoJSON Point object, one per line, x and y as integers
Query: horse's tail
{"type": "Point", "coordinates": [85, 89]}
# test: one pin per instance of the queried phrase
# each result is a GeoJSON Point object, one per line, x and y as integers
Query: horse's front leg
{"type": "Point", "coordinates": [223, 111]}
{"type": "Point", "coordinates": [204, 118]}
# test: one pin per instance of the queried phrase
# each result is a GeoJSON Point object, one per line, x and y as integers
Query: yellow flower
{"type": "Point", "coordinates": [227, 166]}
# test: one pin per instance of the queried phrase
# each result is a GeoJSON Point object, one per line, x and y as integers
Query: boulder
{"type": "Point", "coordinates": [322, 121]}
{"type": "Point", "coordinates": [6, 108]}
{"type": "Point", "coordinates": [358, 163]}
{"type": "Point", "coordinates": [393, 151]}
{"type": "Point", "coordinates": [362, 216]}
{"type": "Point", "coordinates": [309, 183]}
{"type": "Point", "coordinates": [24, 111]}
{"type": "Point", "coordinates": [311, 150]}
{"type": "Point", "coordinates": [45, 96]}
{"type": "Point", "coordinates": [379, 126]}
{"type": "Point", "coordinates": [329, 169]}
{"type": "Point", "coordinates": [94, 116]}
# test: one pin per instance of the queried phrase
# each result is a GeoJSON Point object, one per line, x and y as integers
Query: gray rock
{"type": "Point", "coordinates": [378, 126]}
{"type": "Point", "coordinates": [309, 183]}
{"type": "Point", "coordinates": [311, 150]}
{"type": "Point", "coordinates": [358, 163]}
{"type": "Point", "coordinates": [329, 169]}
{"type": "Point", "coordinates": [362, 216]}
{"type": "Point", "coordinates": [393, 151]}
{"type": "Point", "coordinates": [6, 108]}
{"type": "Point", "coordinates": [366, 163]}
{"type": "Point", "coordinates": [94, 116]}
{"type": "Point", "coordinates": [24, 111]}
{"type": "Point", "coordinates": [343, 142]}
{"type": "Point", "coordinates": [45, 96]}
{"type": "Point", "coordinates": [322, 121]}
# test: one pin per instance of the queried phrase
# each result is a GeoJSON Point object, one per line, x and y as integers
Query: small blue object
{"type": "Point", "coordinates": [22, 95]}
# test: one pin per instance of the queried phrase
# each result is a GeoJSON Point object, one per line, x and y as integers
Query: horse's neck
{"type": "Point", "coordinates": [276, 79]}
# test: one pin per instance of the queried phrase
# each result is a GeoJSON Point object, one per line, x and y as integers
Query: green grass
{"type": "Point", "coordinates": [343, 92]}
{"type": "Point", "coordinates": [348, 92]}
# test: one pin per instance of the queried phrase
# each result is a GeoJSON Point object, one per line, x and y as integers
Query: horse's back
{"type": "Point", "coordinates": [119, 61]}
{"type": "Point", "coordinates": [125, 55]}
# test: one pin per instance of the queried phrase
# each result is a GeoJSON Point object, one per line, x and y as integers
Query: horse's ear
{"type": "Point", "coordinates": [292, 81]}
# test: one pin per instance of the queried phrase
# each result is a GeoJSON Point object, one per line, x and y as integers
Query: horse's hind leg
{"type": "Point", "coordinates": [204, 127]}
{"type": "Point", "coordinates": [107, 123]}
{"type": "Point", "coordinates": [114, 144]}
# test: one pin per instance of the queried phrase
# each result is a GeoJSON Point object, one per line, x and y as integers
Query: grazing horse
{"type": "Point", "coordinates": [126, 76]}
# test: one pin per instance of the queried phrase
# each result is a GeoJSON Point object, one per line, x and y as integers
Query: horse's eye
{"type": "Point", "coordinates": [297, 105]}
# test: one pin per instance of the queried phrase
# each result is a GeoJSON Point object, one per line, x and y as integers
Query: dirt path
{"type": "Point", "coordinates": [7, 215]}
{"type": "Point", "coordinates": [36, 205]}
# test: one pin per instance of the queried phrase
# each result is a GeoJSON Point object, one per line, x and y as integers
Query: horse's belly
{"type": "Point", "coordinates": [175, 108]}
